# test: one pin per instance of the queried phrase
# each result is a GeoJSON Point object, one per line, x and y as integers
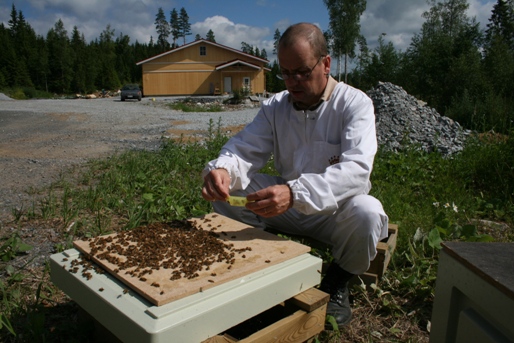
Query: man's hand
{"type": "Point", "coordinates": [216, 185]}
{"type": "Point", "coordinates": [271, 201]}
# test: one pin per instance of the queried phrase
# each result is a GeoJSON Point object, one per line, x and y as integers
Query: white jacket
{"type": "Point", "coordinates": [325, 155]}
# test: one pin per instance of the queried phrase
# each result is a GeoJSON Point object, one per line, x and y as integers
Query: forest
{"type": "Point", "coordinates": [462, 70]}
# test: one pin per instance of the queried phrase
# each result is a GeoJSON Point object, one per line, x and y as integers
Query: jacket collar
{"type": "Point", "coordinates": [331, 84]}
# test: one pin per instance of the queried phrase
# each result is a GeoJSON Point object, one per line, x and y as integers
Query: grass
{"type": "Point", "coordinates": [431, 198]}
{"type": "Point", "coordinates": [23, 93]}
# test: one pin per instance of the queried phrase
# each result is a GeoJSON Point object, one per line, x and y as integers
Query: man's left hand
{"type": "Point", "coordinates": [270, 201]}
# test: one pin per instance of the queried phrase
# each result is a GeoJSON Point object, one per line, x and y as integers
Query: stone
{"type": "Point", "coordinates": [402, 121]}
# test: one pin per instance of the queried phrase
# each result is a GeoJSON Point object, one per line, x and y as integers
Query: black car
{"type": "Point", "coordinates": [131, 91]}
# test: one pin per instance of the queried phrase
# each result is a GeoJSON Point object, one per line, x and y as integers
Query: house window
{"type": "Point", "coordinates": [203, 51]}
{"type": "Point", "coordinates": [246, 84]}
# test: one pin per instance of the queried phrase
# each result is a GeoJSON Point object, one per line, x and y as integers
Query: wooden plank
{"type": "Point", "coordinates": [219, 339]}
{"type": "Point", "coordinates": [385, 250]}
{"type": "Point", "coordinates": [298, 327]}
{"type": "Point", "coordinates": [267, 250]}
{"type": "Point", "coordinates": [310, 300]}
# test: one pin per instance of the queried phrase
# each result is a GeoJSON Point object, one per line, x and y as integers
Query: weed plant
{"type": "Point", "coordinates": [192, 105]}
{"type": "Point", "coordinates": [430, 197]}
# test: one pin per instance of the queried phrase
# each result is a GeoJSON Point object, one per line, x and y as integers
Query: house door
{"type": "Point", "coordinates": [246, 84]}
{"type": "Point", "coordinates": [227, 84]}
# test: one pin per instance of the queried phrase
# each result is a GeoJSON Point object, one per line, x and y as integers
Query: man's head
{"type": "Point", "coordinates": [304, 62]}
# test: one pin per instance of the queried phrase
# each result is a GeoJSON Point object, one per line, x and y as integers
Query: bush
{"type": "Point", "coordinates": [239, 96]}
{"type": "Point", "coordinates": [486, 166]}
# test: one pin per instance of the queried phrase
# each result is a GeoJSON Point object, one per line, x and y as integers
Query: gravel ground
{"type": "Point", "coordinates": [41, 138]}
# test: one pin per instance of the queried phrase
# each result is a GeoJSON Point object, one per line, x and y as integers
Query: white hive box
{"type": "Point", "coordinates": [474, 294]}
{"type": "Point", "coordinates": [204, 312]}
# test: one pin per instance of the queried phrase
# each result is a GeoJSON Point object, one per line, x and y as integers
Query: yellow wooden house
{"type": "Point", "coordinates": [202, 68]}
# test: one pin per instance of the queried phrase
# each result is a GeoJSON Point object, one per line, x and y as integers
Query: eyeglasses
{"type": "Point", "coordinates": [299, 75]}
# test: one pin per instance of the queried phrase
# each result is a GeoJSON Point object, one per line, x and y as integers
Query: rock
{"type": "Point", "coordinates": [403, 120]}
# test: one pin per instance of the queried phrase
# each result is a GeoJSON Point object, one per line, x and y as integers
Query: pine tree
{"type": "Point", "coordinates": [499, 51]}
{"type": "Point", "coordinates": [501, 23]}
{"type": "Point", "coordinates": [107, 77]}
{"type": "Point", "coordinates": [163, 30]}
{"type": "Point", "coordinates": [7, 58]}
{"type": "Point", "coordinates": [383, 64]}
{"type": "Point", "coordinates": [78, 47]}
{"type": "Point", "coordinates": [124, 58]}
{"type": "Point", "coordinates": [276, 38]}
{"type": "Point", "coordinates": [60, 59]}
{"type": "Point", "coordinates": [24, 39]}
{"type": "Point", "coordinates": [210, 36]}
{"type": "Point", "coordinates": [175, 27]}
{"type": "Point", "coordinates": [264, 54]}
{"type": "Point", "coordinates": [185, 26]}
{"type": "Point", "coordinates": [247, 48]}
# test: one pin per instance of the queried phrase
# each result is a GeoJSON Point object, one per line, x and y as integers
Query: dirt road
{"type": "Point", "coordinates": [41, 138]}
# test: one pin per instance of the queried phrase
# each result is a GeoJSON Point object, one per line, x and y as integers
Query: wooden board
{"type": "Point", "coordinates": [297, 320]}
{"type": "Point", "coordinates": [266, 250]}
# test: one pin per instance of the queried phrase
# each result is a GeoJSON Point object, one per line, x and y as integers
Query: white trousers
{"type": "Point", "coordinates": [352, 231]}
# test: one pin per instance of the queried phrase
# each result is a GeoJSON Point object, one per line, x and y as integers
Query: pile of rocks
{"type": "Point", "coordinates": [403, 120]}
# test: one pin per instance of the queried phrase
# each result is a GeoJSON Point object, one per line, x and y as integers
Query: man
{"type": "Point", "coordinates": [322, 136]}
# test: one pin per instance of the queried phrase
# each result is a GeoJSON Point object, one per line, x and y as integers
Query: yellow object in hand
{"type": "Point", "coordinates": [237, 201]}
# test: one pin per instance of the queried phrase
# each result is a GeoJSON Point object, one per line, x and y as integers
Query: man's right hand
{"type": "Point", "coordinates": [216, 185]}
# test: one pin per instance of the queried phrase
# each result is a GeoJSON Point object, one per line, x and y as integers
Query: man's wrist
{"type": "Point", "coordinates": [291, 197]}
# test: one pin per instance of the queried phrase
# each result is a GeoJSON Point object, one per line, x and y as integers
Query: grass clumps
{"type": "Point", "coordinates": [430, 197]}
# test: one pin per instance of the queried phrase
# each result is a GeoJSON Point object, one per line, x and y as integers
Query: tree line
{"type": "Point", "coordinates": [463, 71]}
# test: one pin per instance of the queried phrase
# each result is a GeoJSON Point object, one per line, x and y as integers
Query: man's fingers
{"type": "Point", "coordinates": [212, 190]}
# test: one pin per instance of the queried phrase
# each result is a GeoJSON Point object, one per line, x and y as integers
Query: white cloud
{"type": "Point", "coordinates": [398, 19]}
{"type": "Point", "coordinates": [82, 9]}
{"type": "Point", "coordinates": [231, 34]}
{"type": "Point", "coordinates": [482, 11]}
{"type": "Point", "coordinates": [134, 18]}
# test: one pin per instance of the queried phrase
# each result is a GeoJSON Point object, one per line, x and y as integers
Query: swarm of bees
{"type": "Point", "coordinates": [183, 247]}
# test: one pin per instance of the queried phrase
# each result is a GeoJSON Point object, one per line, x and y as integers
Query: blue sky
{"type": "Point", "coordinates": [232, 21]}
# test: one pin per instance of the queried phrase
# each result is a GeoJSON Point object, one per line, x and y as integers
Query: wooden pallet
{"type": "Point", "coordinates": [296, 320]}
{"type": "Point", "coordinates": [385, 249]}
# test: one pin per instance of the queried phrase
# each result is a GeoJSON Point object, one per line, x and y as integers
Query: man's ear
{"type": "Point", "coordinates": [326, 64]}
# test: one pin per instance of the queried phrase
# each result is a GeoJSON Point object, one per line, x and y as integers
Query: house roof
{"type": "Point", "coordinates": [236, 62]}
{"type": "Point", "coordinates": [204, 41]}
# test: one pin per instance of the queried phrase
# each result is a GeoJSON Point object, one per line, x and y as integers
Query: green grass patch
{"type": "Point", "coordinates": [25, 93]}
{"type": "Point", "coordinates": [430, 197]}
